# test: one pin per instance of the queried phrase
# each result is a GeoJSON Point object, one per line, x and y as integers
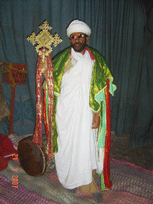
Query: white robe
{"type": "Point", "coordinates": [76, 157]}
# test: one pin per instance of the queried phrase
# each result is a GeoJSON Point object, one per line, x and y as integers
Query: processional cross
{"type": "Point", "coordinates": [44, 39]}
{"type": "Point", "coordinates": [44, 108]}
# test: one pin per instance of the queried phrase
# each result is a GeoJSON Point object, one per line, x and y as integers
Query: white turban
{"type": "Point", "coordinates": [78, 26]}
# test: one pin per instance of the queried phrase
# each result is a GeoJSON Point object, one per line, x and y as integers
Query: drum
{"type": "Point", "coordinates": [31, 157]}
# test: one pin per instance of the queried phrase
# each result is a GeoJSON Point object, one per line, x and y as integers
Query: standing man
{"type": "Point", "coordinates": [81, 77]}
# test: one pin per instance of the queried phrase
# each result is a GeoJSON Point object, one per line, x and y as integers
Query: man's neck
{"type": "Point", "coordinates": [82, 52]}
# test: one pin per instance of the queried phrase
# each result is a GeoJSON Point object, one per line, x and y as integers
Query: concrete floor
{"type": "Point", "coordinates": [140, 156]}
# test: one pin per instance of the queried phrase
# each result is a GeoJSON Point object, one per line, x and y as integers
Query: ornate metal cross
{"type": "Point", "coordinates": [44, 39]}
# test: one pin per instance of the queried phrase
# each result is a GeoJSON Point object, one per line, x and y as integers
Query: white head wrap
{"type": "Point", "coordinates": [78, 26]}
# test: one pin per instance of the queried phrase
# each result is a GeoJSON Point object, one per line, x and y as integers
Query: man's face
{"type": "Point", "coordinates": [78, 41]}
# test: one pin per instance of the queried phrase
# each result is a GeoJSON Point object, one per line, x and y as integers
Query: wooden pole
{"type": "Point", "coordinates": [12, 109]}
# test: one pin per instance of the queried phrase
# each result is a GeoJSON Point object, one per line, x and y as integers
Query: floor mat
{"type": "Point", "coordinates": [131, 184]}
{"type": "Point", "coordinates": [21, 194]}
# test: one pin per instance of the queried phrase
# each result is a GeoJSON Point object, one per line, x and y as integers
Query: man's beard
{"type": "Point", "coordinates": [79, 47]}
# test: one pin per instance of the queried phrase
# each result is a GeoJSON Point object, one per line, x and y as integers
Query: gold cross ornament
{"type": "Point", "coordinates": [44, 39]}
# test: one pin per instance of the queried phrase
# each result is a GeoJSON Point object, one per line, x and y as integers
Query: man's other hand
{"type": "Point", "coordinates": [96, 121]}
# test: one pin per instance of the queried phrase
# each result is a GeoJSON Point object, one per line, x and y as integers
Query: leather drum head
{"type": "Point", "coordinates": [31, 157]}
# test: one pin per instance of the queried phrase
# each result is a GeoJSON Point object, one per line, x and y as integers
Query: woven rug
{"type": "Point", "coordinates": [9, 194]}
{"type": "Point", "coordinates": [131, 184]}
{"type": "Point", "coordinates": [132, 179]}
